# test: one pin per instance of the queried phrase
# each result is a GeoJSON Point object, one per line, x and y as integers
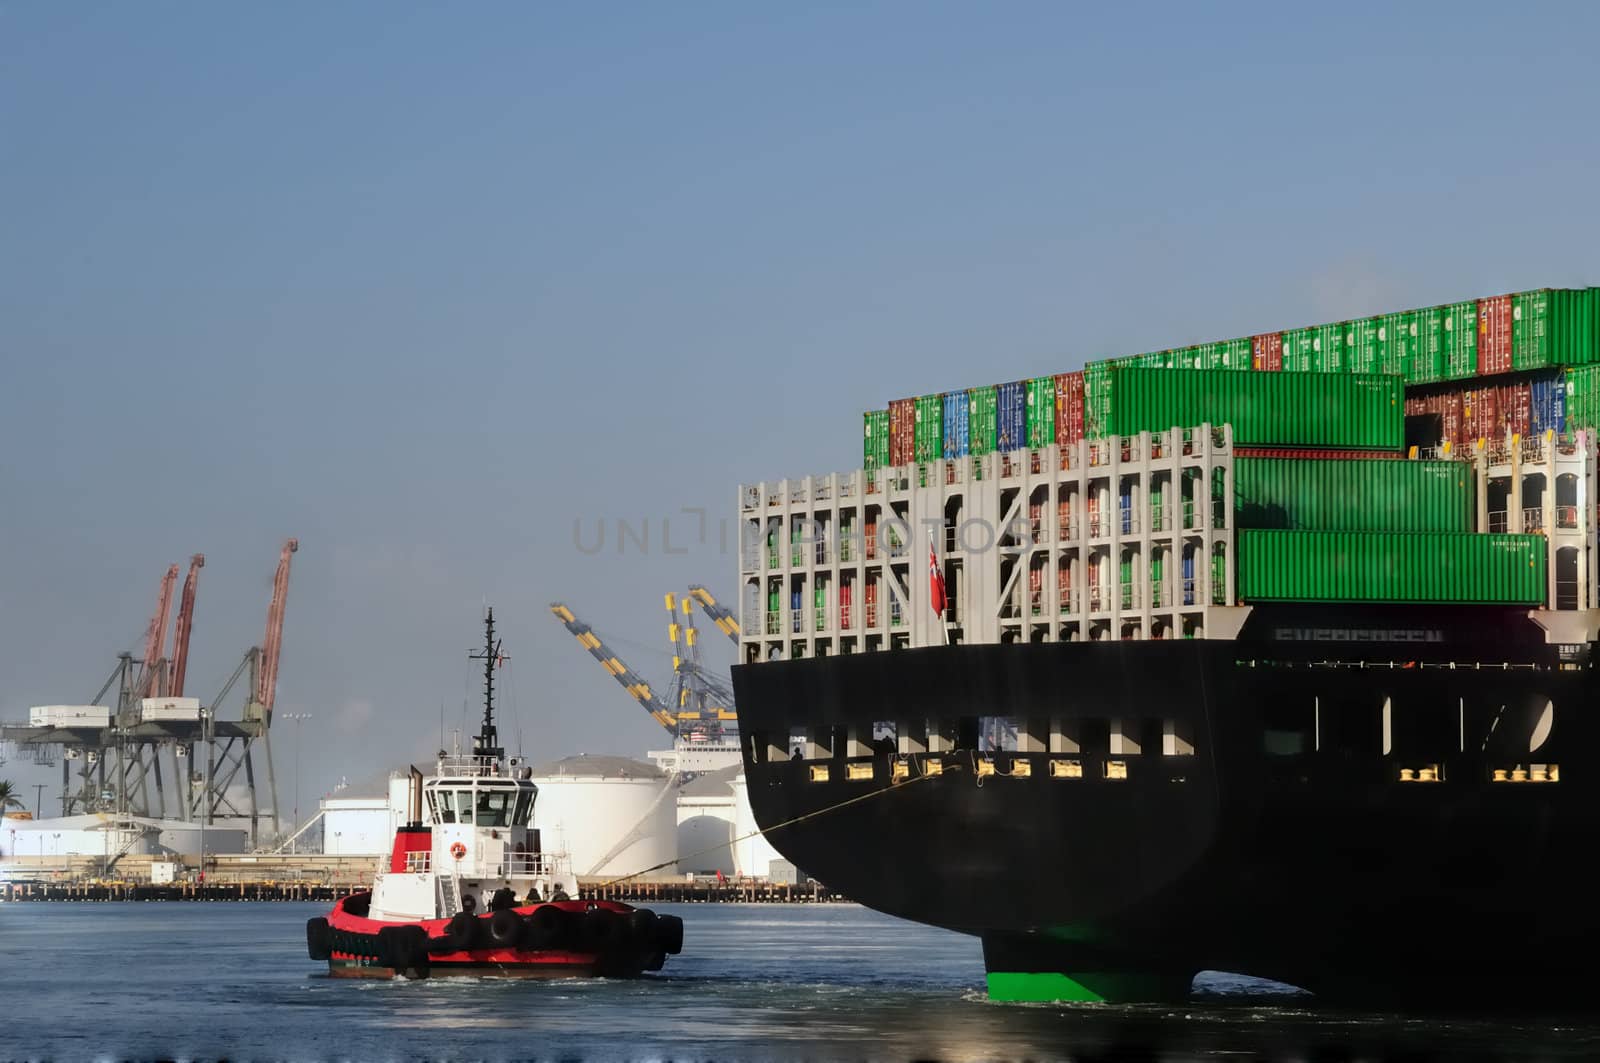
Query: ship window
{"type": "Point", "coordinates": [444, 806]}
{"type": "Point", "coordinates": [464, 805]}
{"type": "Point", "coordinates": [524, 814]}
{"type": "Point", "coordinates": [494, 808]}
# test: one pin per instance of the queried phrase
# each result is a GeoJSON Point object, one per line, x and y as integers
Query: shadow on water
{"type": "Point", "coordinates": [759, 982]}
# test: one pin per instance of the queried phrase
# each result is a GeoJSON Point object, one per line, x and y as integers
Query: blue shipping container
{"type": "Point", "coordinates": [1012, 431]}
{"type": "Point", "coordinates": [1549, 405]}
{"type": "Point", "coordinates": [1188, 580]}
{"type": "Point", "coordinates": [956, 419]}
{"type": "Point", "coordinates": [1125, 507]}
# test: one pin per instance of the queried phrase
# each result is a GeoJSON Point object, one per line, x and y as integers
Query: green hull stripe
{"type": "Point", "coordinates": [1090, 986]}
{"type": "Point", "coordinates": [1038, 986]}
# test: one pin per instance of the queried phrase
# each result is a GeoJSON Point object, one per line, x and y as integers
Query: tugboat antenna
{"type": "Point", "coordinates": [488, 740]}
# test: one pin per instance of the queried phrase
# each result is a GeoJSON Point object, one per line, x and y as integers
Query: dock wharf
{"type": "Point", "coordinates": [315, 877]}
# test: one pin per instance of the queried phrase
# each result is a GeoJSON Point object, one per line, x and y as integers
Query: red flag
{"type": "Point", "coordinates": [935, 582]}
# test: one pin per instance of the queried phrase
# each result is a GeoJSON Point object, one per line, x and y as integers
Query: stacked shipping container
{"type": "Point", "coordinates": [1539, 329]}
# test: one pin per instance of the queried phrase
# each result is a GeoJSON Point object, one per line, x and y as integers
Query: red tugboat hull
{"type": "Point", "coordinates": [556, 939]}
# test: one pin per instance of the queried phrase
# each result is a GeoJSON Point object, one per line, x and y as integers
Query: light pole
{"type": "Point", "coordinates": [297, 717]}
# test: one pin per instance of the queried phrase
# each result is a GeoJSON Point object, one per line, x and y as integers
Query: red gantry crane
{"type": "Point", "coordinates": [185, 627]}
{"type": "Point", "coordinates": [155, 639]}
{"type": "Point", "coordinates": [272, 645]}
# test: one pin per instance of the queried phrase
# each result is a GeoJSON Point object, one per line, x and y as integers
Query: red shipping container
{"type": "Point", "coordinates": [902, 431]}
{"type": "Point", "coordinates": [1069, 407]}
{"type": "Point", "coordinates": [1449, 411]}
{"type": "Point", "coordinates": [1266, 352]}
{"type": "Point", "coordinates": [1494, 335]}
{"type": "Point", "coordinates": [1480, 414]}
{"type": "Point", "coordinates": [870, 548]}
{"type": "Point", "coordinates": [1063, 519]}
{"type": "Point", "coordinates": [1516, 408]}
{"type": "Point", "coordinates": [844, 605]}
{"type": "Point", "coordinates": [1064, 582]}
{"type": "Point", "coordinates": [1415, 405]}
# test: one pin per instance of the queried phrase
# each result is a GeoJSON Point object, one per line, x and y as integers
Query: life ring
{"type": "Point", "coordinates": [458, 850]}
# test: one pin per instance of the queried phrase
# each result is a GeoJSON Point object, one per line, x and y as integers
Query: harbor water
{"type": "Point", "coordinates": [192, 980]}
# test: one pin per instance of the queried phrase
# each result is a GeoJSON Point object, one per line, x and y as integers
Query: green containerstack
{"type": "Point", "coordinates": [1460, 340]}
{"type": "Point", "coordinates": [1555, 327]}
{"type": "Point", "coordinates": [1041, 411]}
{"type": "Point", "coordinates": [1297, 350]}
{"type": "Point", "coordinates": [1345, 495]}
{"type": "Point", "coordinates": [1583, 397]}
{"type": "Point", "coordinates": [875, 449]}
{"type": "Point", "coordinates": [1398, 337]}
{"type": "Point", "coordinates": [929, 444]}
{"type": "Point", "coordinates": [1224, 354]}
{"type": "Point", "coordinates": [1265, 409]}
{"type": "Point", "coordinates": [1096, 398]}
{"type": "Point", "coordinates": [1362, 352]}
{"type": "Point", "coordinates": [1323, 566]}
{"type": "Point", "coordinates": [983, 406]}
{"type": "Point", "coordinates": [1428, 365]}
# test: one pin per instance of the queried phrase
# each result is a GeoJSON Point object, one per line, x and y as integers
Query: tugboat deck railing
{"type": "Point", "coordinates": [463, 765]}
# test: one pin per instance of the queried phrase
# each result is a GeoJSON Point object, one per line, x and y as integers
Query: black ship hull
{"type": "Point", "coordinates": [1392, 805]}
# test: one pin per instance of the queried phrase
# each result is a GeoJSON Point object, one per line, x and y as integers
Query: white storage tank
{"type": "Point", "coordinates": [69, 716]}
{"type": "Point", "coordinates": [754, 855]}
{"type": "Point", "coordinates": [357, 826]}
{"type": "Point", "coordinates": [705, 822]}
{"type": "Point", "coordinates": [612, 815]}
{"type": "Point", "coordinates": [156, 710]}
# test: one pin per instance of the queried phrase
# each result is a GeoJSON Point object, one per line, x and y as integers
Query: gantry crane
{"type": "Point", "coordinates": [705, 703]}
{"type": "Point", "coordinates": [152, 679]}
{"type": "Point", "coordinates": [636, 685]}
{"type": "Point", "coordinates": [725, 620]}
{"type": "Point", "coordinates": [185, 627]}
{"type": "Point", "coordinates": [210, 756]}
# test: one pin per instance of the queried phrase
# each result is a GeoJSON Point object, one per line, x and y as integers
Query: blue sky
{"type": "Point", "coordinates": [423, 285]}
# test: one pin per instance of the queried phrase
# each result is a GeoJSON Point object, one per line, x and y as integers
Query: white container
{"type": "Point", "coordinates": [69, 716]}
{"type": "Point", "coordinates": [163, 872]}
{"type": "Point", "coordinates": [157, 709]}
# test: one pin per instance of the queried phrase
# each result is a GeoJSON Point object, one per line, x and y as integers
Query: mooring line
{"type": "Point", "coordinates": [891, 788]}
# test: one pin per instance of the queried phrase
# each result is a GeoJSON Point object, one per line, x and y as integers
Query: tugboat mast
{"type": "Point", "coordinates": [487, 743]}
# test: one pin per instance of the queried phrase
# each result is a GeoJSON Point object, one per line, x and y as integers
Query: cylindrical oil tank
{"type": "Point", "coordinates": [706, 822]}
{"type": "Point", "coordinates": [752, 853]}
{"type": "Point", "coordinates": [612, 815]}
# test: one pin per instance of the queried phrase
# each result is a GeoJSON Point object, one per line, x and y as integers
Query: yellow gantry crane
{"type": "Point", "coordinates": [701, 706]}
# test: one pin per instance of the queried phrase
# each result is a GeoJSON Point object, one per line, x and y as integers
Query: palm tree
{"type": "Point", "coordinates": [9, 798]}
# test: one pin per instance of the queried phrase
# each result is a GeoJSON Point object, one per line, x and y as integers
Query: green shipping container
{"type": "Point", "coordinates": [930, 428]}
{"type": "Point", "coordinates": [1096, 398]}
{"type": "Point", "coordinates": [983, 405]}
{"type": "Point", "coordinates": [1583, 397]}
{"type": "Point", "coordinates": [1336, 495]}
{"type": "Point", "coordinates": [1298, 347]}
{"type": "Point", "coordinates": [1362, 351]}
{"type": "Point", "coordinates": [1460, 340]}
{"type": "Point", "coordinates": [1224, 354]}
{"type": "Point", "coordinates": [1317, 566]}
{"type": "Point", "coordinates": [875, 450]}
{"type": "Point", "coordinates": [1041, 411]}
{"type": "Point", "coordinates": [1427, 365]}
{"type": "Point", "coordinates": [1265, 409]}
{"type": "Point", "coordinates": [1555, 327]}
{"type": "Point", "coordinates": [1398, 341]}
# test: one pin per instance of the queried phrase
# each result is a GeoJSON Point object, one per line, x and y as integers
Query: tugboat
{"type": "Point", "coordinates": [469, 890]}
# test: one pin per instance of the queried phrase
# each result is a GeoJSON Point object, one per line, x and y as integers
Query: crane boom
{"type": "Point", "coordinates": [180, 634]}
{"type": "Point", "coordinates": [636, 685]}
{"type": "Point", "coordinates": [272, 645]}
{"type": "Point", "coordinates": [155, 640]}
{"type": "Point", "coordinates": [719, 615]}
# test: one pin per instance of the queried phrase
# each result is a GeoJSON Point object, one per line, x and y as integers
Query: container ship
{"type": "Point", "coordinates": [1269, 656]}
